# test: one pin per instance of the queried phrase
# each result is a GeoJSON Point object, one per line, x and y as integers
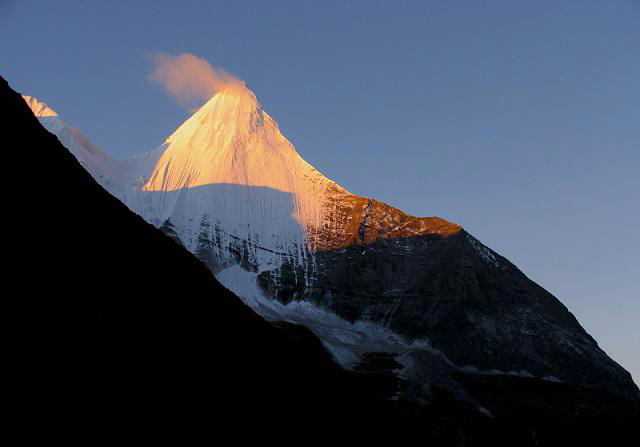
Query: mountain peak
{"type": "Point", "coordinates": [232, 97]}
{"type": "Point", "coordinates": [232, 110]}
{"type": "Point", "coordinates": [365, 276]}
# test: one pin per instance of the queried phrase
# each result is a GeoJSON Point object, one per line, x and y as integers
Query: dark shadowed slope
{"type": "Point", "coordinates": [118, 332]}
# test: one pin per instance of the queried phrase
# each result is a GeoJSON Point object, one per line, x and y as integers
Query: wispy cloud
{"type": "Point", "coordinates": [189, 78]}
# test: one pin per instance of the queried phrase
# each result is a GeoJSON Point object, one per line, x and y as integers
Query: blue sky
{"type": "Point", "coordinates": [519, 120]}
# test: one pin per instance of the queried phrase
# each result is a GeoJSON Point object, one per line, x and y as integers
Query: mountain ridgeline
{"type": "Point", "coordinates": [364, 310]}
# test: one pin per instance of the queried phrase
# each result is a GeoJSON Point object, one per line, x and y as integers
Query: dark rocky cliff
{"type": "Point", "coordinates": [469, 302]}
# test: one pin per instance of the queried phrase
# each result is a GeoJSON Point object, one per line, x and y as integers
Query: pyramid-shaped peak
{"type": "Point", "coordinates": [229, 140]}
{"type": "Point", "coordinates": [231, 111]}
{"type": "Point", "coordinates": [232, 98]}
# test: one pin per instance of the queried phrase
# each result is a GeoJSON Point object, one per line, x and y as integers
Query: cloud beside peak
{"type": "Point", "coordinates": [189, 78]}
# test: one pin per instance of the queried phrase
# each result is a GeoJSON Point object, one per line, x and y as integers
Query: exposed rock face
{"type": "Point", "coordinates": [351, 220]}
{"type": "Point", "coordinates": [469, 302]}
{"type": "Point", "coordinates": [232, 190]}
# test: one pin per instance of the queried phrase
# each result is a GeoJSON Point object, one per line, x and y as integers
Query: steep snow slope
{"type": "Point", "coordinates": [228, 175]}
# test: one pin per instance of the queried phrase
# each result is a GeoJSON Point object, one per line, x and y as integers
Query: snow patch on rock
{"type": "Point", "coordinates": [346, 341]}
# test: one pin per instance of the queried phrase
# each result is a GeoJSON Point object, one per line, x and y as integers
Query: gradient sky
{"type": "Point", "coordinates": [519, 120]}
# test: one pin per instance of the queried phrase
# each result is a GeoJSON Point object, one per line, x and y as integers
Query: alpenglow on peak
{"type": "Point", "coordinates": [364, 276]}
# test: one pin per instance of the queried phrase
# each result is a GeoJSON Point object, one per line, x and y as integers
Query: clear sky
{"type": "Point", "coordinates": [518, 119]}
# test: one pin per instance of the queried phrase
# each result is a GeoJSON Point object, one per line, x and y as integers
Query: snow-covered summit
{"type": "Point", "coordinates": [227, 174]}
{"type": "Point", "coordinates": [229, 140]}
{"type": "Point", "coordinates": [39, 109]}
{"type": "Point", "coordinates": [233, 144]}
